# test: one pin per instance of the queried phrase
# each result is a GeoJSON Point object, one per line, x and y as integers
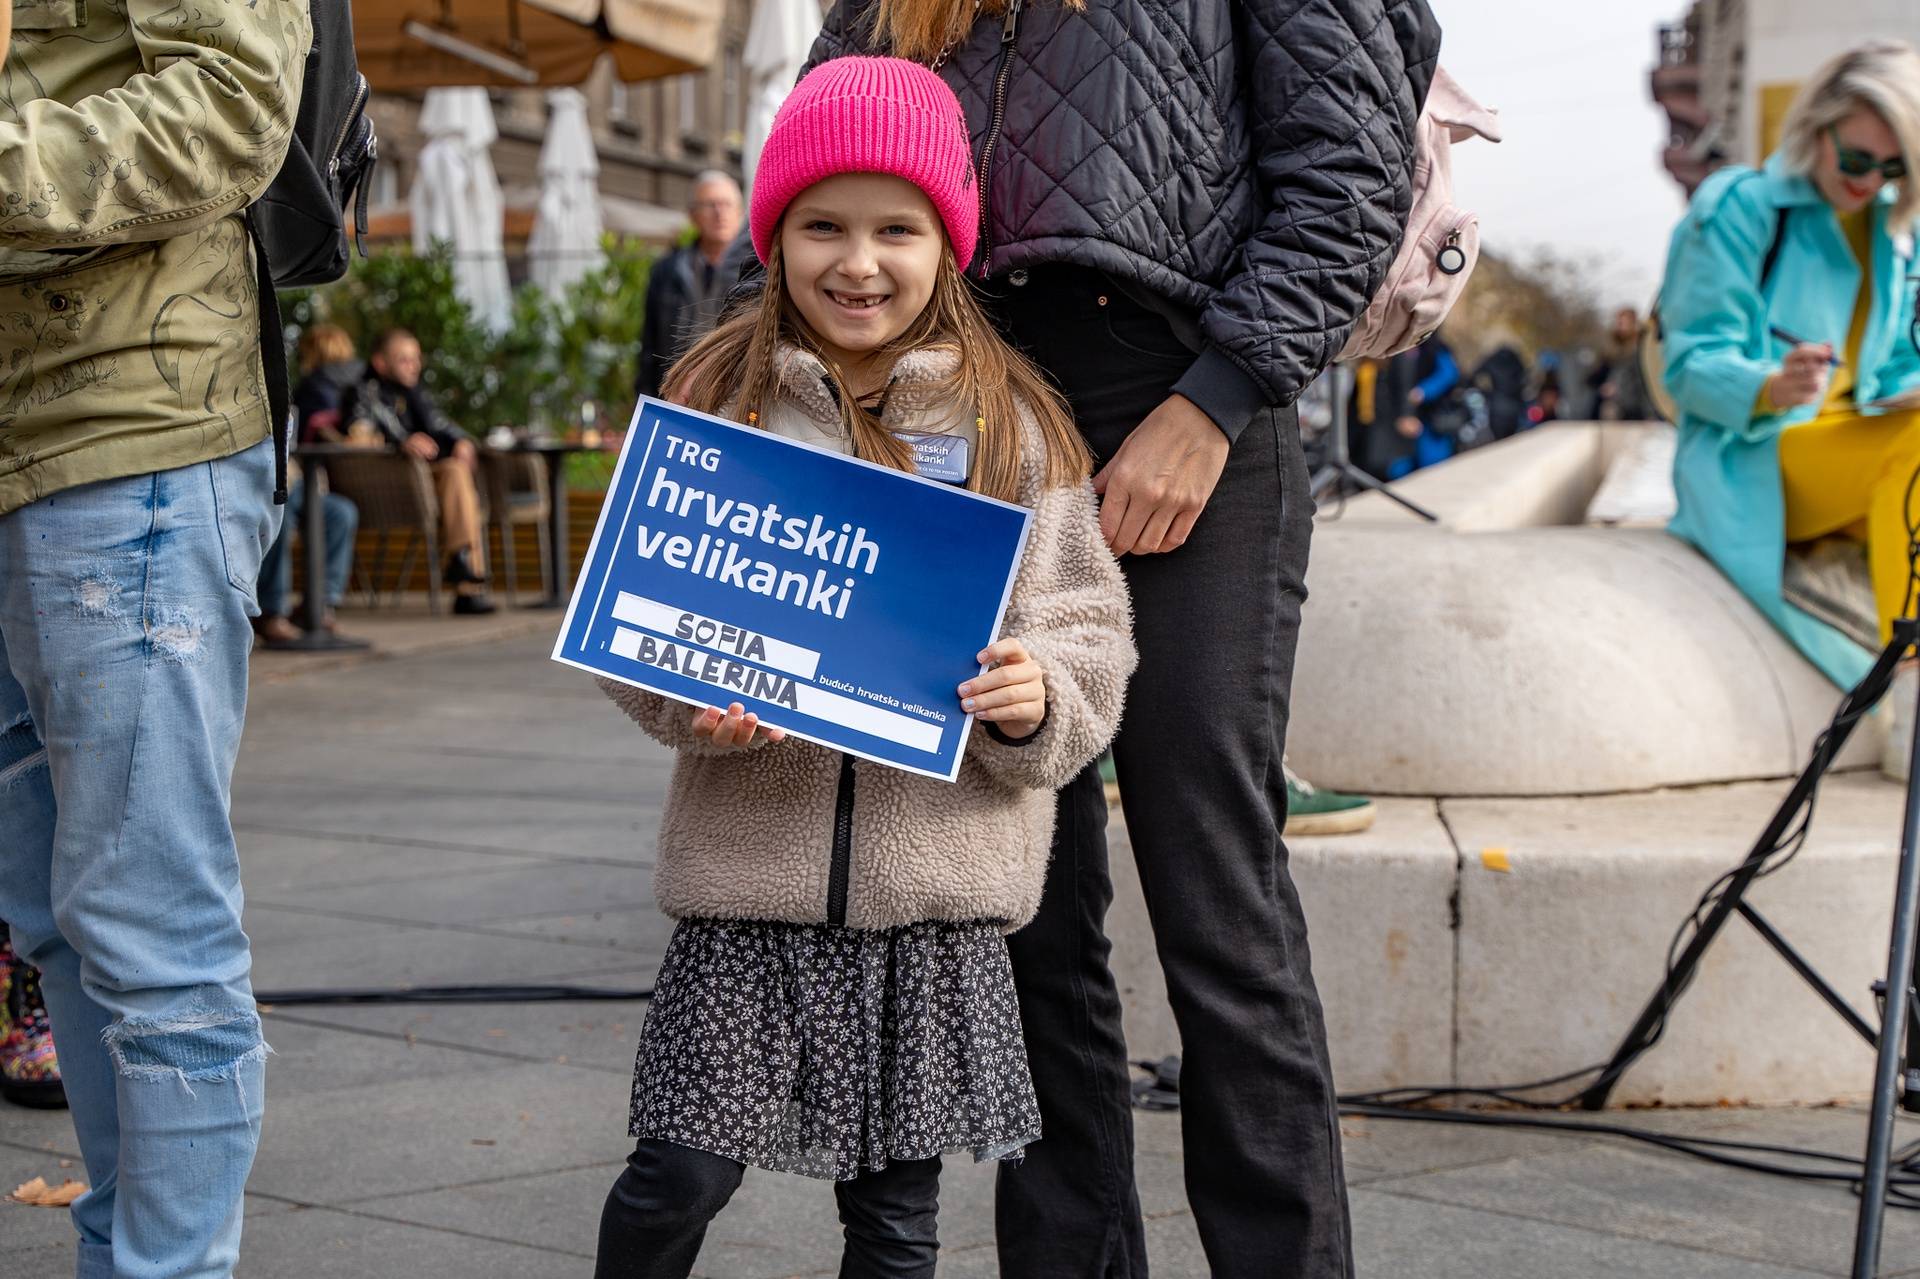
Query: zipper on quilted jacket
{"type": "Point", "coordinates": [993, 133]}
{"type": "Point", "coordinates": [840, 870]}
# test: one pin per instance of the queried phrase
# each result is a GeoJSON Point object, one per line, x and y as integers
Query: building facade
{"type": "Point", "coordinates": [653, 139]}
{"type": "Point", "coordinates": [1727, 72]}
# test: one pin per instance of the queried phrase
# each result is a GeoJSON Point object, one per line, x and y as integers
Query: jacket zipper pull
{"type": "Point", "coordinates": [1007, 31]}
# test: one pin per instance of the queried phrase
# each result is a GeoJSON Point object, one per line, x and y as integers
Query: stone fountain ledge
{"type": "Point", "coordinates": [1588, 726]}
{"type": "Point", "coordinates": [1436, 968]}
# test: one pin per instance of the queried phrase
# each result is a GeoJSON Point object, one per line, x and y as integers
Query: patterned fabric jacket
{"type": "Point", "coordinates": [1249, 159]}
{"type": "Point", "coordinates": [132, 134]}
{"type": "Point", "coordinates": [799, 833]}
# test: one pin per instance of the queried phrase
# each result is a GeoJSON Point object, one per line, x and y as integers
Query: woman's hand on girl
{"type": "Point", "coordinates": [1013, 694]}
{"type": "Point", "coordinates": [1802, 378]}
{"type": "Point", "coordinates": [733, 730]}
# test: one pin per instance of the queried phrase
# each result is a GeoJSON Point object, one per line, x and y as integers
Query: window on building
{"type": "Point", "coordinates": [622, 111]}
{"type": "Point", "coordinates": [733, 103]}
{"type": "Point", "coordinates": [693, 120]}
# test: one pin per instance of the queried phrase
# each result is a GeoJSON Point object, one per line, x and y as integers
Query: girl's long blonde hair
{"type": "Point", "coordinates": [735, 368]}
{"type": "Point", "coordinates": [920, 29]}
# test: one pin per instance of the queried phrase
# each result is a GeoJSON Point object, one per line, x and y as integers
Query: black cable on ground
{"type": "Point", "coordinates": [1805, 1164]}
{"type": "Point", "coordinates": [271, 999]}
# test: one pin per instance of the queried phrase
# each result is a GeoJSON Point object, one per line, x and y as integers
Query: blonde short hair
{"type": "Point", "coordinates": [324, 344]}
{"type": "Point", "coordinates": [1881, 75]}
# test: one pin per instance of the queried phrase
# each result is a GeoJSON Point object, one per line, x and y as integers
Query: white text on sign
{"type": "Point", "coordinates": [722, 559]}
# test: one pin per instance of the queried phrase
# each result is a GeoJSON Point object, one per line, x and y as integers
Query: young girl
{"type": "Point", "coordinates": [837, 999]}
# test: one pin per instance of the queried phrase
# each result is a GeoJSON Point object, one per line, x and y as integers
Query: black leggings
{"type": "Point", "coordinates": [657, 1215]}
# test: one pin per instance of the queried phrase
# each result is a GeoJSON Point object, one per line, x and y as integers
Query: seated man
{"type": "Point", "coordinates": [393, 401]}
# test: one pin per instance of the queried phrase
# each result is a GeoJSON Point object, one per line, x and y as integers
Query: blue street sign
{"type": "Point", "coordinates": [842, 601]}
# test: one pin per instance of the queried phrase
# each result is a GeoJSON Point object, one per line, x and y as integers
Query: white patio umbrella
{"type": "Point", "coordinates": [565, 242]}
{"type": "Point", "coordinates": [456, 198]}
{"type": "Point", "coordinates": [778, 42]}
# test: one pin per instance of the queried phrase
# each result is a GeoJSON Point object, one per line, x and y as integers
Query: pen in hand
{"type": "Point", "coordinates": [1833, 361]}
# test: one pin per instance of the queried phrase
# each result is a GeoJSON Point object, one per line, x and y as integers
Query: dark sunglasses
{"type": "Point", "coordinates": [1858, 164]}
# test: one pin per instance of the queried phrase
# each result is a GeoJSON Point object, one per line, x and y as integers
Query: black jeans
{"type": "Point", "coordinates": [658, 1211]}
{"type": "Point", "coordinates": [1199, 759]}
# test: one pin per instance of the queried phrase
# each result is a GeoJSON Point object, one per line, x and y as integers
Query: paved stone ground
{"type": "Point", "coordinates": [481, 815]}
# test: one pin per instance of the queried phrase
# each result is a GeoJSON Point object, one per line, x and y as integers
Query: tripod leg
{"type": "Point", "coordinates": [1339, 464]}
{"type": "Point", "coordinates": [1893, 1039]}
{"type": "Point", "coordinates": [1646, 1029]}
{"type": "Point", "coordinates": [1385, 490]}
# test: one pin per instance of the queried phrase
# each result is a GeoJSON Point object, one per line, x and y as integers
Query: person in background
{"type": "Point", "coordinates": [400, 410]}
{"type": "Point", "coordinates": [29, 1068]}
{"type": "Point", "coordinates": [1616, 384]}
{"type": "Point", "coordinates": [1391, 411]}
{"type": "Point", "coordinates": [1547, 399]}
{"type": "Point", "coordinates": [1799, 387]}
{"type": "Point", "coordinates": [1429, 413]}
{"type": "Point", "coordinates": [1378, 400]}
{"type": "Point", "coordinates": [687, 289]}
{"type": "Point", "coordinates": [328, 372]}
{"type": "Point", "coordinates": [1502, 379]}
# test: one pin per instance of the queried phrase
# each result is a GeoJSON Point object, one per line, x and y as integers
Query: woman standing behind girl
{"type": "Point", "coordinates": [837, 999]}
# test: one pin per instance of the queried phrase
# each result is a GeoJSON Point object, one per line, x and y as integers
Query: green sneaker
{"type": "Point", "coordinates": [1313, 811]}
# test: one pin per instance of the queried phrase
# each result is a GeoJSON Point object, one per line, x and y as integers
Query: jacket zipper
{"type": "Point", "coordinates": [840, 870]}
{"type": "Point", "coordinates": [993, 132]}
{"type": "Point", "coordinates": [360, 96]}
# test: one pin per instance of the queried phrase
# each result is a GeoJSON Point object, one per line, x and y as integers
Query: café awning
{"type": "Point", "coordinates": [411, 45]}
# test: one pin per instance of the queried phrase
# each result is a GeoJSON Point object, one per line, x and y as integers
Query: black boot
{"type": "Point", "coordinates": [474, 605]}
{"type": "Point", "coordinates": [460, 571]}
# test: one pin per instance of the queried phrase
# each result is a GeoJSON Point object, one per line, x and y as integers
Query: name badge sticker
{"type": "Point", "coordinates": [940, 457]}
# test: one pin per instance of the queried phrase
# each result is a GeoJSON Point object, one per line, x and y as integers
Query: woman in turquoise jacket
{"type": "Point", "coordinates": [1788, 303]}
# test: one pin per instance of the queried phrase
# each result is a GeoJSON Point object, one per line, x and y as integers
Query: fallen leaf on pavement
{"type": "Point", "coordinates": [38, 1194]}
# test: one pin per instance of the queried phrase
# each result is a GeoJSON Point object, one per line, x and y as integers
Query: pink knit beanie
{"type": "Point", "coordinates": [869, 115]}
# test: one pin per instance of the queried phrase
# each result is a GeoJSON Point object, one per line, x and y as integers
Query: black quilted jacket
{"type": "Point", "coordinates": [1249, 159]}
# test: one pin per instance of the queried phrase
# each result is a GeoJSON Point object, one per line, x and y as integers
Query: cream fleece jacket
{"type": "Point", "coordinates": [749, 834]}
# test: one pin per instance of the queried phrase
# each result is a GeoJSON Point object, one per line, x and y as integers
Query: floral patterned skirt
{"type": "Point", "coordinates": [831, 1051]}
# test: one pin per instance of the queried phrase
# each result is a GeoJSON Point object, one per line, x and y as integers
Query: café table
{"type": "Point", "coordinates": [556, 453]}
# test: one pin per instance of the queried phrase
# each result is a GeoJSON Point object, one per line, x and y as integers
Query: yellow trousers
{"type": "Point", "coordinates": [1844, 473]}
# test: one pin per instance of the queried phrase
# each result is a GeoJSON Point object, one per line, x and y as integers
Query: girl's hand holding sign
{"type": "Point", "coordinates": [1013, 694]}
{"type": "Point", "coordinates": [733, 730]}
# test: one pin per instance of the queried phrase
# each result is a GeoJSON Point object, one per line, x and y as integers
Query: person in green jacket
{"type": "Point", "coordinates": [1796, 380]}
{"type": "Point", "coordinates": [136, 480]}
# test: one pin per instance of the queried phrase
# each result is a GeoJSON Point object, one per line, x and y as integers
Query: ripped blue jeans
{"type": "Point", "coordinates": [123, 688]}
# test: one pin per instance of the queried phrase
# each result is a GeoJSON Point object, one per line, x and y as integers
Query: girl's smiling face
{"type": "Point", "coordinates": [861, 252]}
